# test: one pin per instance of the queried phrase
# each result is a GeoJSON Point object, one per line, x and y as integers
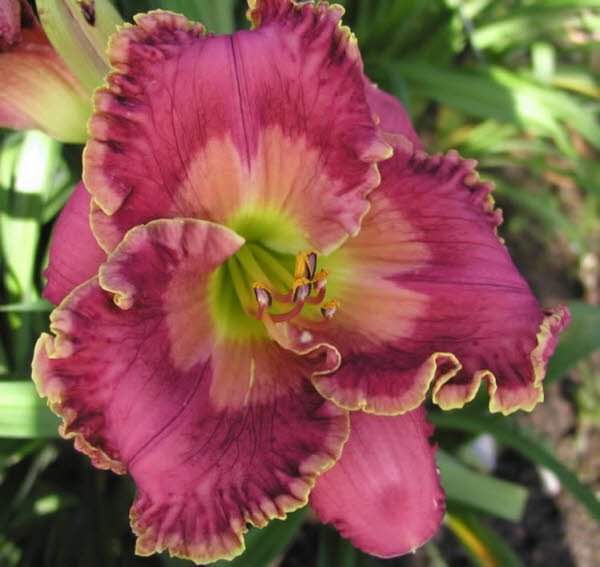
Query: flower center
{"type": "Point", "coordinates": [258, 282]}
{"type": "Point", "coordinates": [306, 281]}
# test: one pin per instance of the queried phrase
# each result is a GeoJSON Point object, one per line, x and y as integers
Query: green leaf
{"type": "Point", "coordinates": [23, 414]}
{"type": "Point", "coordinates": [216, 15]}
{"type": "Point", "coordinates": [484, 545]}
{"type": "Point", "coordinates": [41, 305]}
{"type": "Point", "coordinates": [22, 197]}
{"type": "Point", "coordinates": [577, 78]}
{"type": "Point", "coordinates": [20, 219]}
{"type": "Point", "coordinates": [335, 550]}
{"type": "Point", "coordinates": [550, 214]}
{"type": "Point", "coordinates": [263, 546]}
{"type": "Point", "coordinates": [523, 25]}
{"type": "Point", "coordinates": [495, 92]}
{"type": "Point", "coordinates": [578, 341]}
{"type": "Point", "coordinates": [13, 451]}
{"type": "Point", "coordinates": [524, 444]}
{"type": "Point", "coordinates": [476, 490]}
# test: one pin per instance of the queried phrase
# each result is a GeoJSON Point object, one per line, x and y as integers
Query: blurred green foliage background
{"type": "Point", "coordinates": [512, 83]}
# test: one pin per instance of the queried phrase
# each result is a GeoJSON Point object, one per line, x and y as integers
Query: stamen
{"type": "Point", "coordinates": [263, 298]}
{"type": "Point", "coordinates": [306, 265]}
{"type": "Point", "coordinates": [301, 290]}
{"type": "Point", "coordinates": [306, 280]}
{"type": "Point", "coordinates": [329, 309]}
{"type": "Point", "coordinates": [317, 299]}
{"type": "Point", "coordinates": [281, 317]}
{"type": "Point", "coordinates": [311, 264]}
{"type": "Point", "coordinates": [320, 280]}
{"type": "Point", "coordinates": [263, 295]}
{"type": "Point", "coordinates": [319, 285]}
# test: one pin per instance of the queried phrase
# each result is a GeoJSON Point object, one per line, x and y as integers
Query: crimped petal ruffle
{"type": "Point", "coordinates": [74, 253]}
{"type": "Point", "coordinates": [215, 434]}
{"type": "Point", "coordinates": [384, 493]}
{"type": "Point", "coordinates": [225, 128]}
{"type": "Point", "coordinates": [430, 295]}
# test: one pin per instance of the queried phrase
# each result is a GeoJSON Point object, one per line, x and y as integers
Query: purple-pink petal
{"type": "Point", "coordinates": [74, 253]}
{"type": "Point", "coordinates": [450, 306]}
{"type": "Point", "coordinates": [393, 117]}
{"type": "Point", "coordinates": [384, 492]}
{"type": "Point", "coordinates": [210, 127]}
{"type": "Point", "coordinates": [216, 433]}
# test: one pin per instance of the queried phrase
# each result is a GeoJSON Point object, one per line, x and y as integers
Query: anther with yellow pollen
{"type": "Point", "coordinates": [306, 280]}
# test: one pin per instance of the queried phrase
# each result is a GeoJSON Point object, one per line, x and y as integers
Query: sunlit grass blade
{"type": "Point", "coordinates": [41, 305]}
{"type": "Point", "coordinates": [23, 414]}
{"type": "Point", "coordinates": [486, 547]}
{"type": "Point", "coordinates": [495, 92]}
{"type": "Point", "coordinates": [580, 339]}
{"type": "Point", "coordinates": [525, 24]}
{"type": "Point", "coordinates": [577, 78]}
{"type": "Point", "coordinates": [476, 490]}
{"type": "Point", "coordinates": [21, 217]}
{"type": "Point", "coordinates": [550, 214]}
{"type": "Point", "coordinates": [13, 451]}
{"type": "Point", "coordinates": [543, 62]}
{"type": "Point", "coordinates": [523, 443]}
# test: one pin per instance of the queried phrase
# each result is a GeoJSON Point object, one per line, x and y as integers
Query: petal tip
{"type": "Point", "coordinates": [389, 467]}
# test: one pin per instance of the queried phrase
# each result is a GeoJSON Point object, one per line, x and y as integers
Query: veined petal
{"type": "Point", "coordinates": [74, 253]}
{"type": "Point", "coordinates": [430, 295]}
{"type": "Point", "coordinates": [216, 435]}
{"type": "Point", "coordinates": [384, 493]}
{"type": "Point", "coordinates": [38, 91]}
{"type": "Point", "coordinates": [392, 116]}
{"type": "Point", "coordinates": [221, 128]}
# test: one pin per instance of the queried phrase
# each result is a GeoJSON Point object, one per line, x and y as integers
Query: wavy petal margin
{"type": "Point", "coordinates": [219, 128]}
{"type": "Point", "coordinates": [38, 90]}
{"type": "Point", "coordinates": [74, 253]}
{"type": "Point", "coordinates": [384, 493]}
{"type": "Point", "coordinates": [430, 296]}
{"type": "Point", "coordinates": [216, 435]}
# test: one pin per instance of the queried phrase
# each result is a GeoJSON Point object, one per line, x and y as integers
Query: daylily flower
{"type": "Point", "coordinates": [38, 90]}
{"type": "Point", "coordinates": [275, 275]}
{"type": "Point", "coordinates": [48, 84]}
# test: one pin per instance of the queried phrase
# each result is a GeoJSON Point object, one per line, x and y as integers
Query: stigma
{"type": "Point", "coordinates": [309, 287]}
